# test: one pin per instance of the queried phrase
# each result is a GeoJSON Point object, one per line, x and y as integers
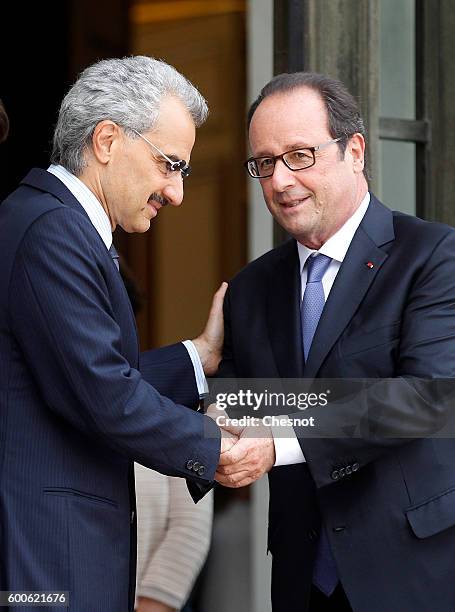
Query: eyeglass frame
{"type": "Point", "coordinates": [281, 156]}
{"type": "Point", "coordinates": [175, 165]}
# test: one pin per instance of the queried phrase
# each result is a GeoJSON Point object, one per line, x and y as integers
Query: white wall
{"type": "Point", "coordinates": [260, 70]}
{"type": "Point", "coordinates": [260, 240]}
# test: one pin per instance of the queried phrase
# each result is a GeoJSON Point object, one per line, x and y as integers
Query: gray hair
{"type": "Point", "coordinates": [127, 91]}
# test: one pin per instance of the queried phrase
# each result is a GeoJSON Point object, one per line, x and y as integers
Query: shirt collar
{"type": "Point", "coordinates": [337, 245]}
{"type": "Point", "coordinates": [87, 200]}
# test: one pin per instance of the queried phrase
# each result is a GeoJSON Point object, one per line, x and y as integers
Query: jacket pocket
{"type": "Point", "coordinates": [433, 515]}
{"type": "Point", "coordinates": [82, 495]}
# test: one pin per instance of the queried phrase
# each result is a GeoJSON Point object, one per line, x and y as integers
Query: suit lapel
{"type": "Point", "coordinates": [283, 312]}
{"type": "Point", "coordinates": [352, 281]}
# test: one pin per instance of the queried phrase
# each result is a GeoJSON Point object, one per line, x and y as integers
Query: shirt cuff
{"type": "Point", "coordinates": [199, 375]}
{"type": "Point", "coordinates": [287, 447]}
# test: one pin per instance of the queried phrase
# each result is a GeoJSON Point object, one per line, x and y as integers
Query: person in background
{"type": "Point", "coordinates": [173, 539]}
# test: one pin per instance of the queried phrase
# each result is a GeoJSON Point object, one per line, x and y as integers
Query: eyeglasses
{"type": "Point", "coordinates": [297, 159]}
{"type": "Point", "coordinates": [171, 166]}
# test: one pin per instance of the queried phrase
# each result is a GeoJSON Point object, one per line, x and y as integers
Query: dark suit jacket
{"type": "Point", "coordinates": [74, 409]}
{"type": "Point", "coordinates": [388, 504]}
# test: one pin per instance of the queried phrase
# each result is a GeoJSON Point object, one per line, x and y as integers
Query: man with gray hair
{"type": "Point", "coordinates": [77, 407]}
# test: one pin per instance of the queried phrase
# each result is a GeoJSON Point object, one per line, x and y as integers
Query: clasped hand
{"type": "Point", "coordinates": [247, 453]}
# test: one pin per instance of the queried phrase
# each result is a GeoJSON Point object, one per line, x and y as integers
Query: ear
{"type": "Point", "coordinates": [105, 136]}
{"type": "Point", "coordinates": [356, 147]}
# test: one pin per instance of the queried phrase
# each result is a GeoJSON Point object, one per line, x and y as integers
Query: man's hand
{"type": "Point", "coordinates": [247, 453]}
{"type": "Point", "coordinates": [144, 604]}
{"type": "Point", "coordinates": [249, 459]}
{"type": "Point", "coordinates": [210, 343]}
{"type": "Point", "coordinates": [228, 438]}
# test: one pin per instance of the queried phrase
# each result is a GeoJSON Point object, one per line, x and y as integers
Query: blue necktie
{"type": "Point", "coordinates": [115, 256]}
{"type": "Point", "coordinates": [325, 575]}
{"type": "Point", "coordinates": [313, 298]}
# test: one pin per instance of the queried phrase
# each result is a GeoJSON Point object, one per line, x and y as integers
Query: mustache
{"type": "Point", "coordinates": [159, 199]}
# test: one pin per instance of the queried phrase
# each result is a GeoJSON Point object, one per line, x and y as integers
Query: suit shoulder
{"type": "Point", "coordinates": [413, 228]}
{"type": "Point", "coordinates": [25, 207]}
{"type": "Point", "coordinates": [263, 264]}
{"type": "Point", "coordinates": [404, 222]}
{"type": "Point", "coordinates": [27, 204]}
{"type": "Point", "coordinates": [39, 221]}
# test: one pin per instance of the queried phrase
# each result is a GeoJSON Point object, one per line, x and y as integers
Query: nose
{"type": "Point", "coordinates": [282, 178]}
{"type": "Point", "coordinates": [173, 191]}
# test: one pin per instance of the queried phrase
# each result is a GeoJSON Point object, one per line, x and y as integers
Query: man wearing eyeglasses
{"type": "Point", "coordinates": [357, 521]}
{"type": "Point", "coordinates": [77, 406]}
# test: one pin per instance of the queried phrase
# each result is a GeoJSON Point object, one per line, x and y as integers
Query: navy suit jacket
{"type": "Point", "coordinates": [75, 411]}
{"type": "Point", "coordinates": [388, 504]}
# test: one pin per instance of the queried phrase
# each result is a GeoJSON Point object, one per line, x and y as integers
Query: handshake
{"type": "Point", "coordinates": [247, 453]}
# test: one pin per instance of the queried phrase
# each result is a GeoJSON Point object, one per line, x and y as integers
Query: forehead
{"type": "Point", "coordinates": [297, 117]}
{"type": "Point", "coordinates": [174, 128]}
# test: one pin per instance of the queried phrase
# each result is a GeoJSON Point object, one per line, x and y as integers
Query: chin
{"type": "Point", "coordinates": [300, 225]}
{"type": "Point", "coordinates": [139, 227]}
{"type": "Point", "coordinates": [143, 227]}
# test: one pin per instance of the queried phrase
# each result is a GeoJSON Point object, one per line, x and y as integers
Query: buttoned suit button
{"type": "Point", "coordinates": [201, 470]}
{"type": "Point", "coordinates": [196, 466]}
{"type": "Point", "coordinates": [355, 467]}
{"type": "Point", "coordinates": [342, 472]}
{"type": "Point", "coordinates": [189, 464]}
{"type": "Point", "coordinates": [335, 475]}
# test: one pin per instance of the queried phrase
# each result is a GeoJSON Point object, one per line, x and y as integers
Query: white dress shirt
{"type": "Point", "coordinates": [287, 447]}
{"type": "Point", "coordinates": [101, 223]}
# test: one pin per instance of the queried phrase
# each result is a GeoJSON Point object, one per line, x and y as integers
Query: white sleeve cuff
{"type": "Point", "coordinates": [199, 375]}
{"type": "Point", "coordinates": [287, 447]}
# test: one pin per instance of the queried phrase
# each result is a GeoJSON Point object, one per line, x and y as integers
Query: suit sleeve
{"type": "Point", "coordinates": [417, 403]}
{"type": "Point", "coordinates": [62, 320]}
{"type": "Point", "coordinates": [169, 369]}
